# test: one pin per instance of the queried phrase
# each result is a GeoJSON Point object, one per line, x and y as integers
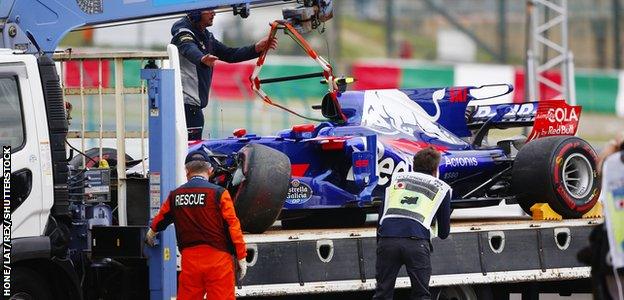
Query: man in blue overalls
{"type": "Point", "coordinates": [199, 50]}
{"type": "Point", "coordinates": [413, 200]}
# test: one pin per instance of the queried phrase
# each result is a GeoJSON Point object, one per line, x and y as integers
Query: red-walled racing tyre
{"type": "Point", "coordinates": [560, 171]}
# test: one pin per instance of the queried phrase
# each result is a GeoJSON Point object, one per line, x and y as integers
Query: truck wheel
{"type": "Point", "coordinates": [27, 284]}
{"type": "Point", "coordinates": [560, 171]}
{"type": "Point", "coordinates": [261, 196]}
{"type": "Point", "coordinates": [109, 154]}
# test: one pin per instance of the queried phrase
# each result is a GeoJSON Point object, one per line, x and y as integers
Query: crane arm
{"type": "Point", "coordinates": [36, 26]}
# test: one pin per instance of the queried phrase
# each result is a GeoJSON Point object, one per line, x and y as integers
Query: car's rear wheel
{"type": "Point", "coordinates": [560, 171]}
{"type": "Point", "coordinates": [262, 193]}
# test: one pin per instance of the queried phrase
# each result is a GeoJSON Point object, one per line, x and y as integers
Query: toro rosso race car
{"type": "Point", "coordinates": [333, 172]}
{"type": "Point", "coordinates": [342, 168]}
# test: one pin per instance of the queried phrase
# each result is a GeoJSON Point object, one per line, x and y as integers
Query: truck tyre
{"type": "Point", "coordinates": [26, 284]}
{"type": "Point", "coordinates": [560, 171]}
{"type": "Point", "coordinates": [109, 154]}
{"type": "Point", "coordinates": [261, 195]}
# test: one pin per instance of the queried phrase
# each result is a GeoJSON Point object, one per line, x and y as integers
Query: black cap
{"type": "Point", "coordinates": [197, 155]}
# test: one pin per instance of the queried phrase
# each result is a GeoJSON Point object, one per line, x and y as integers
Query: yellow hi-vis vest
{"type": "Point", "coordinates": [612, 197]}
{"type": "Point", "coordinates": [415, 196]}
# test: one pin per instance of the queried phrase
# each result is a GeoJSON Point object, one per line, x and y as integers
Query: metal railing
{"type": "Point", "coordinates": [120, 134]}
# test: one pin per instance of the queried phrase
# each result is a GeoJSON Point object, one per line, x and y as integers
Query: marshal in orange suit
{"type": "Point", "coordinates": [207, 231]}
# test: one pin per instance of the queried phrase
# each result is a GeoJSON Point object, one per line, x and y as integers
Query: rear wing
{"type": "Point", "coordinates": [548, 117]}
{"type": "Point", "coordinates": [519, 115]}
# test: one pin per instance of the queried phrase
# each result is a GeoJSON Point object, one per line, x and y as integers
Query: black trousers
{"type": "Point", "coordinates": [194, 121]}
{"type": "Point", "coordinates": [392, 253]}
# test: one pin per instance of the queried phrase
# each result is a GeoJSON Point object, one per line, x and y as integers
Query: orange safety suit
{"type": "Point", "coordinates": [206, 231]}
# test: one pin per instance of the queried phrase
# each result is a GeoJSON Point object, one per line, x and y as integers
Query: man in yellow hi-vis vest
{"type": "Point", "coordinates": [413, 201]}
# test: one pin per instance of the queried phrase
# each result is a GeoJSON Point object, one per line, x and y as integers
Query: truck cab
{"type": "Point", "coordinates": [34, 125]}
{"type": "Point", "coordinates": [25, 129]}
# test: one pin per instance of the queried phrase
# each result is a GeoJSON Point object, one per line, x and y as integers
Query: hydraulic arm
{"type": "Point", "coordinates": [37, 26]}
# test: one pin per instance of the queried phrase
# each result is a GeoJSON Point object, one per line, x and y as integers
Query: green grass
{"type": "Point", "coordinates": [372, 30]}
{"type": "Point", "coordinates": [361, 39]}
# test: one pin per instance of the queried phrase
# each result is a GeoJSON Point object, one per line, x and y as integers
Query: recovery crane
{"type": "Point", "coordinates": [58, 252]}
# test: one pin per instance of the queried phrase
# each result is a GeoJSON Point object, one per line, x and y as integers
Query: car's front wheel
{"type": "Point", "coordinates": [261, 195]}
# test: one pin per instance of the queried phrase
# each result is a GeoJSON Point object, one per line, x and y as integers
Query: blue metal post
{"type": "Point", "coordinates": [162, 257]}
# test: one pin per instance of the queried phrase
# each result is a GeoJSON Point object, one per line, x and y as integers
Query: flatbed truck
{"type": "Point", "coordinates": [52, 240]}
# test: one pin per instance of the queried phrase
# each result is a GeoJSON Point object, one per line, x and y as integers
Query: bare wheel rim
{"type": "Point", "coordinates": [577, 175]}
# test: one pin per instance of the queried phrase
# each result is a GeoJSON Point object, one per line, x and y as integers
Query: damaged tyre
{"type": "Point", "coordinates": [261, 195]}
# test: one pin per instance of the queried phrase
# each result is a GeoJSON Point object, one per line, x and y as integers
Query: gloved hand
{"type": "Point", "coordinates": [242, 268]}
{"type": "Point", "coordinates": [150, 237]}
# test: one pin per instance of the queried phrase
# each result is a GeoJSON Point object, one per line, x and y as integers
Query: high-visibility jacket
{"type": "Point", "coordinates": [415, 196]}
{"type": "Point", "coordinates": [203, 214]}
{"type": "Point", "coordinates": [612, 198]}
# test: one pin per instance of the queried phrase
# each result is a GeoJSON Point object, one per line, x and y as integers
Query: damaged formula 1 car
{"type": "Point", "coordinates": [341, 166]}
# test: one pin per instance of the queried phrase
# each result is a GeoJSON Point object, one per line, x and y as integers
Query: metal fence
{"type": "Point", "coordinates": [110, 110]}
{"type": "Point", "coordinates": [91, 97]}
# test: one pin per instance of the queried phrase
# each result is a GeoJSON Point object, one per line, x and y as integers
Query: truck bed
{"type": "Point", "coordinates": [478, 251]}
